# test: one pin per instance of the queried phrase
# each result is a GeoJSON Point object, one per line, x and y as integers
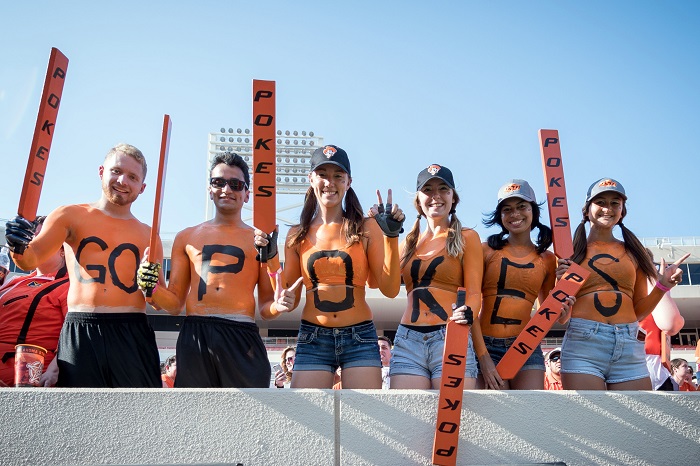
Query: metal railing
{"type": "Point", "coordinates": [662, 241]}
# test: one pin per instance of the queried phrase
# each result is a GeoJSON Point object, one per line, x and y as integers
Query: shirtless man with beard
{"type": "Point", "coordinates": [106, 340]}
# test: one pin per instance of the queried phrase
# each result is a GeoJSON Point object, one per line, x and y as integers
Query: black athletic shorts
{"type": "Point", "coordinates": [219, 353]}
{"type": "Point", "coordinates": [108, 351]}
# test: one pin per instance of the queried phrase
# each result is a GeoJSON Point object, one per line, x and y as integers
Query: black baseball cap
{"type": "Point", "coordinates": [330, 154]}
{"type": "Point", "coordinates": [435, 171]}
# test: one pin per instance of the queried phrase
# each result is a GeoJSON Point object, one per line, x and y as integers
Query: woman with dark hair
{"type": "Point", "coordinates": [516, 273]}
{"type": "Point", "coordinates": [434, 264]}
{"type": "Point", "coordinates": [603, 348]}
{"type": "Point", "coordinates": [337, 252]}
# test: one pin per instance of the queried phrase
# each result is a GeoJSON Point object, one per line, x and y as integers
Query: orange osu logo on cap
{"type": "Point", "coordinates": [433, 169]}
{"type": "Point", "coordinates": [512, 188]}
{"type": "Point", "coordinates": [329, 151]}
{"type": "Point", "coordinates": [607, 183]}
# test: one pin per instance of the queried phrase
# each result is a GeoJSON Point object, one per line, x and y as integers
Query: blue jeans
{"type": "Point", "coordinates": [497, 348]}
{"type": "Point", "coordinates": [324, 349]}
{"type": "Point", "coordinates": [609, 351]}
{"type": "Point", "coordinates": [417, 353]}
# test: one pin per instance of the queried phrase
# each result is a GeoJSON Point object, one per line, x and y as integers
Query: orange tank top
{"type": "Point", "coordinates": [608, 293]}
{"type": "Point", "coordinates": [323, 269]}
{"type": "Point", "coordinates": [510, 287]}
{"type": "Point", "coordinates": [611, 267]}
{"type": "Point", "coordinates": [431, 284]}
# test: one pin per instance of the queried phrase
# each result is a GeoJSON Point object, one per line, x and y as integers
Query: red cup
{"type": "Point", "coordinates": [29, 365]}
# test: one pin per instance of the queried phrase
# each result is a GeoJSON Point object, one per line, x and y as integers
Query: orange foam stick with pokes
{"type": "Point", "coordinates": [43, 135]}
{"type": "Point", "coordinates": [153, 255]}
{"type": "Point", "coordinates": [449, 415]}
{"type": "Point", "coordinates": [264, 159]}
{"type": "Point", "coordinates": [550, 310]}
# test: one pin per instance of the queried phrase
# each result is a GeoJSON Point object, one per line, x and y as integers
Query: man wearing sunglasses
{"type": "Point", "coordinates": [213, 276]}
{"type": "Point", "coordinates": [552, 379]}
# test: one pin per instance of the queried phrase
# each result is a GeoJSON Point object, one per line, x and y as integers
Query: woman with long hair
{"type": "Point", "coordinates": [603, 348]}
{"type": "Point", "coordinates": [337, 252]}
{"type": "Point", "coordinates": [435, 262]}
{"type": "Point", "coordinates": [283, 377]}
{"type": "Point", "coordinates": [516, 273]}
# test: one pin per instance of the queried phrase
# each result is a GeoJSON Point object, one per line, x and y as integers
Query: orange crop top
{"type": "Point", "coordinates": [520, 277]}
{"type": "Point", "coordinates": [346, 266]}
{"type": "Point", "coordinates": [431, 284]}
{"type": "Point", "coordinates": [611, 267]}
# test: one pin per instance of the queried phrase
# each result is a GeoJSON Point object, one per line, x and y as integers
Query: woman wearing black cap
{"type": "Point", "coordinates": [516, 272]}
{"type": "Point", "coordinates": [336, 251]}
{"type": "Point", "coordinates": [434, 263]}
{"type": "Point", "coordinates": [601, 348]}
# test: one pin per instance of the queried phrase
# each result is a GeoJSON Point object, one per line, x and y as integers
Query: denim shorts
{"type": "Point", "coordinates": [497, 348]}
{"type": "Point", "coordinates": [324, 348]}
{"type": "Point", "coordinates": [417, 353]}
{"type": "Point", "coordinates": [608, 351]}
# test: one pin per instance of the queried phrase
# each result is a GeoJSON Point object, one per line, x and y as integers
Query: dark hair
{"type": "Point", "coordinates": [386, 339]}
{"type": "Point", "coordinates": [170, 360]}
{"type": "Point", "coordinates": [676, 363]}
{"type": "Point", "coordinates": [499, 240]}
{"type": "Point", "coordinates": [232, 160]}
{"type": "Point", "coordinates": [352, 217]}
{"type": "Point", "coordinates": [632, 243]}
{"type": "Point", "coordinates": [454, 243]}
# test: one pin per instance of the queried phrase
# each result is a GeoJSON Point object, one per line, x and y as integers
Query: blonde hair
{"type": "Point", "coordinates": [455, 242]}
{"type": "Point", "coordinates": [286, 371]}
{"type": "Point", "coordinates": [132, 152]}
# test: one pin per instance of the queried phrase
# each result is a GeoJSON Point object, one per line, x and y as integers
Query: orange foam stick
{"type": "Point", "coordinates": [264, 159]}
{"type": "Point", "coordinates": [153, 255]}
{"type": "Point", "coordinates": [556, 193]}
{"type": "Point", "coordinates": [449, 415]}
{"type": "Point", "coordinates": [543, 320]}
{"type": "Point", "coordinates": [43, 135]}
{"type": "Point", "coordinates": [665, 348]}
{"type": "Point", "coordinates": [550, 310]}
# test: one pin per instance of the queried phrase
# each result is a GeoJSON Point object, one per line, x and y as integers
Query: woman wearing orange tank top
{"type": "Point", "coordinates": [516, 273]}
{"type": "Point", "coordinates": [434, 264]}
{"type": "Point", "coordinates": [337, 252]}
{"type": "Point", "coordinates": [602, 348]}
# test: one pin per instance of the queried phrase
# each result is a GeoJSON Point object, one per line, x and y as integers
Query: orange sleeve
{"type": "Point", "coordinates": [473, 273]}
{"type": "Point", "coordinates": [550, 263]}
{"type": "Point", "coordinates": [644, 300]}
{"type": "Point", "coordinates": [383, 259]}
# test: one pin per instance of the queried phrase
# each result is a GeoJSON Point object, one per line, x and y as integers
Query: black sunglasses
{"type": "Point", "coordinates": [234, 183]}
{"type": "Point", "coordinates": [554, 358]}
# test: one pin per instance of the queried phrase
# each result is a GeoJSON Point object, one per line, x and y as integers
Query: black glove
{"type": "Point", "coordinates": [389, 225]}
{"type": "Point", "coordinates": [147, 276]}
{"type": "Point", "coordinates": [469, 315]}
{"type": "Point", "coordinates": [19, 232]}
{"type": "Point", "coordinates": [269, 251]}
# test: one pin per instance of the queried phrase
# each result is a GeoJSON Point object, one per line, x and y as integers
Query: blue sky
{"type": "Point", "coordinates": [398, 84]}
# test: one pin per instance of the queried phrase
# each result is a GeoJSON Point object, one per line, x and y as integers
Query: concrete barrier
{"type": "Point", "coordinates": [341, 427]}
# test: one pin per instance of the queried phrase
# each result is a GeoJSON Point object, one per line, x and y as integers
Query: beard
{"type": "Point", "coordinates": [119, 198]}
